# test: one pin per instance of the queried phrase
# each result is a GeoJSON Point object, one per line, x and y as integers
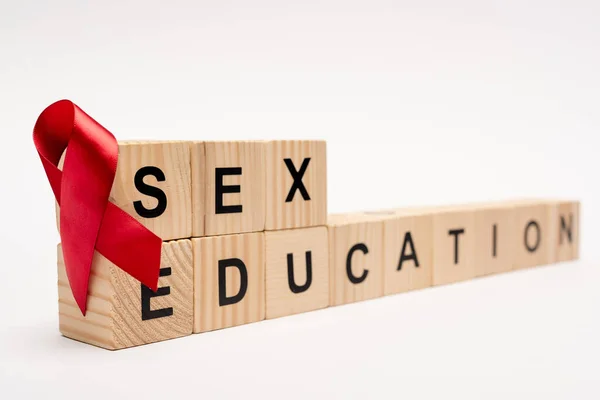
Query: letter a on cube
{"type": "Point", "coordinates": [408, 251]}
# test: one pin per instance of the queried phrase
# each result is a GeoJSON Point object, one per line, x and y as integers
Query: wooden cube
{"type": "Point", "coordinates": [536, 229]}
{"type": "Point", "coordinates": [355, 257]}
{"type": "Point", "coordinates": [453, 244]}
{"type": "Point", "coordinates": [567, 237]}
{"type": "Point", "coordinates": [495, 230]}
{"type": "Point", "coordinates": [296, 184]}
{"type": "Point", "coordinates": [121, 312]}
{"type": "Point", "coordinates": [408, 251]}
{"type": "Point", "coordinates": [153, 184]}
{"type": "Point", "coordinates": [228, 187]}
{"type": "Point", "coordinates": [229, 280]}
{"type": "Point", "coordinates": [297, 272]}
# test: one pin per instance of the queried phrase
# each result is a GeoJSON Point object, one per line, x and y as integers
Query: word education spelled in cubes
{"type": "Point", "coordinates": [246, 237]}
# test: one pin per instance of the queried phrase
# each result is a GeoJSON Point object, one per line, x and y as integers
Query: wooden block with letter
{"type": "Point", "coordinates": [408, 251]}
{"type": "Point", "coordinates": [296, 174]}
{"type": "Point", "coordinates": [228, 187]}
{"type": "Point", "coordinates": [453, 244]}
{"type": "Point", "coordinates": [153, 184]}
{"type": "Point", "coordinates": [567, 239]}
{"type": "Point", "coordinates": [536, 229]}
{"type": "Point", "coordinates": [123, 313]}
{"type": "Point", "coordinates": [229, 280]}
{"type": "Point", "coordinates": [297, 273]}
{"type": "Point", "coordinates": [495, 230]}
{"type": "Point", "coordinates": [355, 257]}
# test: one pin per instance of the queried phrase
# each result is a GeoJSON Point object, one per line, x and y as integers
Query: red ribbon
{"type": "Point", "coordinates": [88, 220]}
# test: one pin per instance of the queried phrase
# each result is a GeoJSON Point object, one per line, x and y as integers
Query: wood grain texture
{"type": "Point", "coordinates": [453, 261]}
{"type": "Point", "coordinates": [208, 251]}
{"type": "Point", "coordinates": [409, 232]}
{"type": "Point", "coordinates": [173, 159]}
{"type": "Point", "coordinates": [346, 231]}
{"type": "Point", "coordinates": [114, 313]}
{"type": "Point", "coordinates": [250, 157]}
{"type": "Point", "coordinates": [536, 230]}
{"type": "Point", "coordinates": [495, 230]}
{"type": "Point", "coordinates": [567, 243]}
{"type": "Point", "coordinates": [198, 168]}
{"type": "Point", "coordinates": [298, 212]}
{"type": "Point", "coordinates": [309, 295]}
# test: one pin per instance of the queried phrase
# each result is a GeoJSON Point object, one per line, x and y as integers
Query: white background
{"type": "Point", "coordinates": [421, 102]}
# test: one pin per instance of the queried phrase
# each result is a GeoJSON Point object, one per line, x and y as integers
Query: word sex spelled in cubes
{"type": "Point", "coordinates": [246, 237]}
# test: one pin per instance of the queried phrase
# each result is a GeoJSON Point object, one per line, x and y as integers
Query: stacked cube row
{"type": "Point", "coordinates": [247, 237]}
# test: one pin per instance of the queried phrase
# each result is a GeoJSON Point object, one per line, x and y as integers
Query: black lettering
{"type": "Point", "coordinates": [494, 240]}
{"type": "Point", "coordinates": [564, 229]}
{"type": "Point", "coordinates": [291, 282]}
{"type": "Point", "coordinates": [455, 233]}
{"type": "Point", "coordinates": [221, 189]}
{"type": "Point", "coordinates": [147, 294]}
{"type": "Point", "coordinates": [297, 176]}
{"type": "Point", "coordinates": [152, 191]}
{"type": "Point", "coordinates": [224, 300]}
{"type": "Point", "coordinates": [413, 254]}
{"type": "Point", "coordinates": [533, 248]}
{"type": "Point", "coordinates": [356, 279]}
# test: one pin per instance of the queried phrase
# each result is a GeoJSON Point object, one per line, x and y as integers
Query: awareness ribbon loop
{"type": "Point", "coordinates": [88, 220]}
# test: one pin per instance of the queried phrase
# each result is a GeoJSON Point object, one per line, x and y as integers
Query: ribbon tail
{"type": "Point", "coordinates": [129, 245]}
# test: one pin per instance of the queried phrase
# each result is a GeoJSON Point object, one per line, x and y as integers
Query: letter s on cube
{"type": "Point", "coordinates": [153, 185]}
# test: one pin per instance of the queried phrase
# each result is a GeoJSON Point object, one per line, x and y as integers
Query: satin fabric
{"type": "Point", "coordinates": [88, 220]}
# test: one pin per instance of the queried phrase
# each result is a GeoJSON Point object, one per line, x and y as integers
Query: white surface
{"type": "Point", "coordinates": [530, 334]}
{"type": "Point", "coordinates": [421, 103]}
